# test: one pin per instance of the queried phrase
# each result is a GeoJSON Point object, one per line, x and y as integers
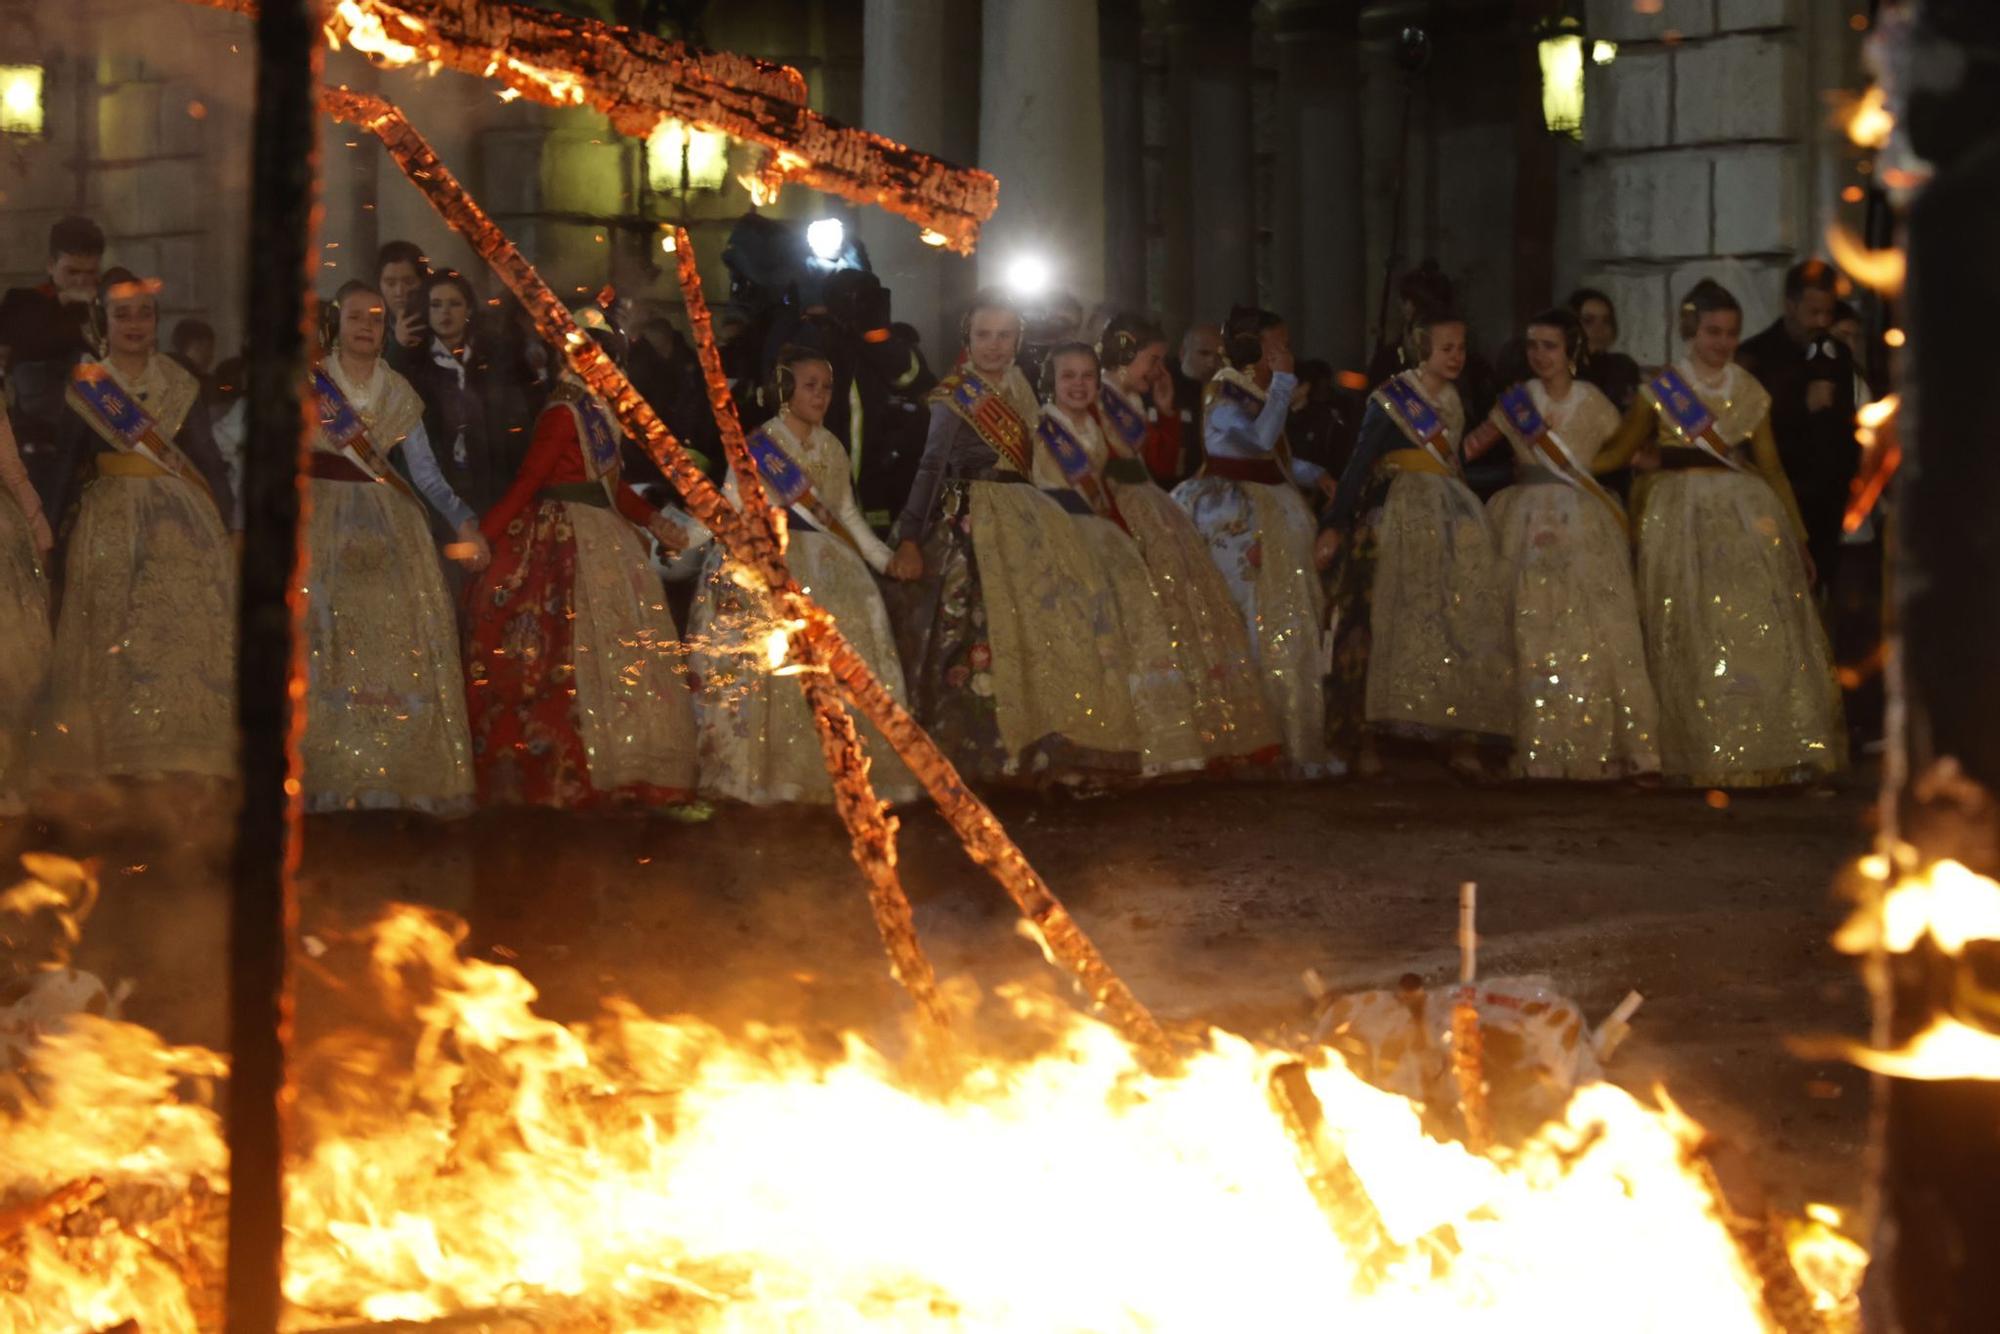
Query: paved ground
{"type": "Point", "coordinates": [1210, 899]}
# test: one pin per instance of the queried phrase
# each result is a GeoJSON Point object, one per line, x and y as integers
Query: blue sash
{"type": "Point", "coordinates": [600, 442]}
{"type": "Point", "coordinates": [1126, 420]}
{"type": "Point", "coordinates": [1412, 412]}
{"type": "Point", "coordinates": [1519, 406]}
{"type": "Point", "coordinates": [343, 427]}
{"type": "Point", "coordinates": [785, 476]}
{"type": "Point", "coordinates": [124, 424]}
{"type": "Point", "coordinates": [1074, 461]}
{"type": "Point", "coordinates": [1687, 416]}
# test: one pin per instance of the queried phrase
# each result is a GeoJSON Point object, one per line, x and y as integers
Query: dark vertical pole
{"type": "Point", "coordinates": [283, 198]}
{"type": "Point", "coordinates": [1937, 1240]}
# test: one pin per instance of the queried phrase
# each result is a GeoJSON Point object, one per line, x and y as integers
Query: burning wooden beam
{"type": "Point", "coordinates": [283, 202]}
{"type": "Point", "coordinates": [871, 828]}
{"type": "Point", "coordinates": [977, 828]}
{"type": "Point", "coordinates": [639, 80]}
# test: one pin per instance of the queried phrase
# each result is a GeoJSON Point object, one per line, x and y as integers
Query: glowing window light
{"type": "Point", "coordinates": [21, 99]}
{"type": "Point", "coordinates": [681, 159]}
{"type": "Point", "coordinates": [1560, 48]}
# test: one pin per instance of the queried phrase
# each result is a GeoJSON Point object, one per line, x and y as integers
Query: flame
{"type": "Point", "coordinates": [1882, 455]}
{"type": "Point", "coordinates": [460, 1153]}
{"type": "Point", "coordinates": [1947, 902]}
{"type": "Point", "coordinates": [1869, 120]}
{"type": "Point", "coordinates": [366, 32]}
{"type": "Point", "coordinates": [1883, 270]}
{"type": "Point", "coordinates": [1948, 1049]}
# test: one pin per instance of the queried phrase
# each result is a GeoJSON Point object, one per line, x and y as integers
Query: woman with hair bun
{"type": "Point", "coordinates": [1738, 655]}
{"type": "Point", "coordinates": [1584, 708]}
{"type": "Point", "coordinates": [1070, 455]}
{"type": "Point", "coordinates": [758, 741]}
{"type": "Point", "coordinates": [1234, 720]}
{"type": "Point", "coordinates": [1246, 504]}
{"type": "Point", "coordinates": [1421, 648]}
{"type": "Point", "coordinates": [1009, 640]}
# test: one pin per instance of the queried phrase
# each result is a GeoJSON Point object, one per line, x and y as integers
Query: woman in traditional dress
{"type": "Point", "coordinates": [145, 647]}
{"type": "Point", "coordinates": [1235, 721]}
{"type": "Point", "coordinates": [1246, 504]}
{"type": "Point", "coordinates": [573, 662]}
{"type": "Point", "coordinates": [1070, 454]}
{"type": "Point", "coordinates": [25, 543]}
{"type": "Point", "coordinates": [385, 694]}
{"type": "Point", "coordinates": [1421, 647]}
{"type": "Point", "coordinates": [1738, 655]}
{"type": "Point", "coordinates": [1584, 707]}
{"type": "Point", "coordinates": [758, 740]}
{"type": "Point", "coordinates": [1010, 641]}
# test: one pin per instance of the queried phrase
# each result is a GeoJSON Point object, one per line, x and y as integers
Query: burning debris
{"type": "Point", "coordinates": [458, 1156]}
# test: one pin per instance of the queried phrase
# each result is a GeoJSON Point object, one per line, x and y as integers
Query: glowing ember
{"type": "Point", "coordinates": [1882, 454]}
{"type": "Point", "coordinates": [1869, 121]}
{"type": "Point", "coordinates": [460, 1153]}
{"type": "Point", "coordinates": [1883, 270]}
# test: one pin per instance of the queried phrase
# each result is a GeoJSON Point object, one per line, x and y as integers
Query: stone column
{"type": "Point", "coordinates": [1123, 75]}
{"type": "Point", "coordinates": [1321, 252]}
{"type": "Point", "coordinates": [1041, 131]}
{"type": "Point", "coordinates": [1207, 198]}
{"type": "Point", "coordinates": [902, 97]}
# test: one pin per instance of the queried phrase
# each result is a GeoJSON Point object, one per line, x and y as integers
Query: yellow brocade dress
{"type": "Point", "coordinates": [1230, 712]}
{"type": "Point", "coordinates": [758, 742]}
{"type": "Point", "coordinates": [385, 694]}
{"type": "Point", "coordinates": [144, 674]}
{"type": "Point", "coordinates": [1163, 698]}
{"type": "Point", "coordinates": [24, 616]}
{"type": "Point", "coordinates": [1441, 661]}
{"type": "Point", "coordinates": [1738, 656]}
{"type": "Point", "coordinates": [1584, 708]}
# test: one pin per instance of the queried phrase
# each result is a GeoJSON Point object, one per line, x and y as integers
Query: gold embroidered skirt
{"type": "Point", "coordinates": [1162, 698]}
{"type": "Point", "coordinates": [24, 640]}
{"type": "Point", "coordinates": [1441, 662]}
{"type": "Point", "coordinates": [1057, 667]}
{"type": "Point", "coordinates": [1584, 707]}
{"type": "Point", "coordinates": [1230, 712]}
{"type": "Point", "coordinates": [1737, 652]}
{"type": "Point", "coordinates": [144, 674]}
{"type": "Point", "coordinates": [1260, 538]}
{"type": "Point", "coordinates": [633, 710]}
{"type": "Point", "coordinates": [758, 740]}
{"type": "Point", "coordinates": [385, 696]}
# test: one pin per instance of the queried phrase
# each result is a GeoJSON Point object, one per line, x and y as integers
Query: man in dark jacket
{"type": "Point", "coordinates": [44, 330]}
{"type": "Point", "coordinates": [1810, 376]}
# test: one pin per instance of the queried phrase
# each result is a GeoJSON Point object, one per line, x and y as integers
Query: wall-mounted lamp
{"type": "Point", "coordinates": [21, 110]}
{"type": "Point", "coordinates": [681, 159]}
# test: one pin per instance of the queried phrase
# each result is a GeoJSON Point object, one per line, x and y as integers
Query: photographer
{"type": "Point", "coordinates": [401, 272]}
{"type": "Point", "coordinates": [1810, 376]}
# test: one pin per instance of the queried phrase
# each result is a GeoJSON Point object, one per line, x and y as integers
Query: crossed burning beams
{"type": "Point", "coordinates": [753, 537]}
{"type": "Point", "coordinates": [639, 80]}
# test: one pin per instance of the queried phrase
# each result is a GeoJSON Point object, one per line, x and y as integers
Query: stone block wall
{"type": "Point", "coordinates": [1702, 138]}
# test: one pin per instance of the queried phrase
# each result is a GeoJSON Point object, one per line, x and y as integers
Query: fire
{"type": "Point", "coordinates": [1883, 270]}
{"type": "Point", "coordinates": [1869, 120]}
{"type": "Point", "coordinates": [363, 28]}
{"type": "Point", "coordinates": [457, 1152]}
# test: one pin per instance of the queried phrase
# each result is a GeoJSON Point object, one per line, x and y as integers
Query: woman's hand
{"type": "Point", "coordinates": [1326, 548]}
{"type": "Point", "coordinates": [45, 540]}
{"type": "Point", "coordinates": [472, 551]}
{"type": "Point", "coordinates": [1162, 390]}
{"type": "Point", "coordinates": [1480, 439]}
{"type": "Point", "coordinates": [670, 535]}
{"type": "Point", "coordinates": [907, 563]}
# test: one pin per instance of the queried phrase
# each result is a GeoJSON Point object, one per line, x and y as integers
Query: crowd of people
{"type": "Point", "coordinates": [1084, 556]}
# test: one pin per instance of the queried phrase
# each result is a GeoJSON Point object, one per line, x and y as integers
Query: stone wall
{"type": "Point", "coordinates": [1707, 149]}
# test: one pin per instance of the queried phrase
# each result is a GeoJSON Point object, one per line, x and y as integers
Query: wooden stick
{"type": "Point", "coordinates": [64, 1199]}
{"type": "Point", "coordinates": [263, 899]}
{"type": "Point", "coordinates": [1468, 1042]}
{"type": "Point", "coordinates": [639, 80]}
{"type": "Point", "coordinates": [871, 829]}
{"type": "Point", "coordinates": [1331, 1178]}
{"type": "Point", "coordinates": [984, 839]}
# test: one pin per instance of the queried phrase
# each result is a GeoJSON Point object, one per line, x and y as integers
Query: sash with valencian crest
{"type": "Point", "coordinates": [1417, 419]}
{"type": "Point", "coordinates": [790, 483]}
{"type": "Point", "coordinates": [344, 429]}
{"type": "Point", "coordinates": [1077, 469]}
{"type": "Point", "coordinates": [600, 440]}
{"type": "Point", "coordinates": [991, 416]}
{"type": "Point", "coordinates": [119, 419]}
{"type": "Point", "coordinates": [1522, 422]}
{"type": "Point", "coordinates": [1125, 420]}
{"type": "Point", "coordinates": [1688, 417]}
